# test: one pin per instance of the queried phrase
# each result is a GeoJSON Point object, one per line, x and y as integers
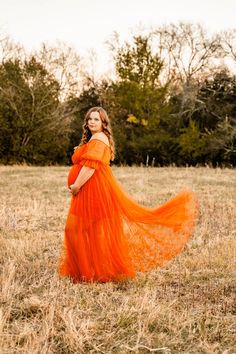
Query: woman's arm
{"type": "Point", "coordinates": [83, 177]}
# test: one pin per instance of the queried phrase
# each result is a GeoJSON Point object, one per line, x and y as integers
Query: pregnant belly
{"type": "Point", "coordinates": [73, 173]}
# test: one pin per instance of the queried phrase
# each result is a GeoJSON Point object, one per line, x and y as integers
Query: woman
{"type": "Point", "coordinates": [108, 235]}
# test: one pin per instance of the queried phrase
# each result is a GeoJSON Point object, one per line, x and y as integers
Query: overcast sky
{"type": "Point", "coordinates": [88, 24]}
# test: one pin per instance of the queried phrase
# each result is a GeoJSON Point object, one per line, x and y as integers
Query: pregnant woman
{"type": "Point", "coordinates": [108, 235]}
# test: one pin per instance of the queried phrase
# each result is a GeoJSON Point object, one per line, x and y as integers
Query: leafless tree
{"type": "Point", "coordinates": [228, 48]}
{"type": "Point", "coordinates": [10, 49]}
{"type": "Point", "coordinates": [187, 50]}
{"type": "Point", "coordinates": [65, 64]}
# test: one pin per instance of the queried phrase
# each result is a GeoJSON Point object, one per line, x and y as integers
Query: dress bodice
{"type": "Point", "coordinates": [95, 150]}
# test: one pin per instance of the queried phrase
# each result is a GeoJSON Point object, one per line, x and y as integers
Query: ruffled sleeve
{"type": "Point", "coordinates": [93, 155]}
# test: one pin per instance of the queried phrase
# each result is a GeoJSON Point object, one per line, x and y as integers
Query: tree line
{"type": "Point", "coordinates": [171, 101]}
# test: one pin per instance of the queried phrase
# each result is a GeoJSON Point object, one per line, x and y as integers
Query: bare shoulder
{"type": "Point", "coordinates": [102, 137]}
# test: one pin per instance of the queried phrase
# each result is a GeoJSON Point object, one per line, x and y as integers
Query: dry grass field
{"type": "Point", "coordinates": [187, 307]}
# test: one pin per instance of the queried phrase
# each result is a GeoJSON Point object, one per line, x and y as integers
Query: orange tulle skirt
{"type": "Point", "coordinates": [110, 237]}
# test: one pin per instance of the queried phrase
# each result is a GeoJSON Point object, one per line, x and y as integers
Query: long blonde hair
{"type": "Point", "coordinates": [106, 128]}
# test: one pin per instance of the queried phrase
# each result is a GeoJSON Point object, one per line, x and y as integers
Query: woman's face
{"type": "Point", "coordinates": [94, 122]}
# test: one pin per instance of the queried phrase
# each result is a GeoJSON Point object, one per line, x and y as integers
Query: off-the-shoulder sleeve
{"type": "Point", "coordinates": [93, 155]}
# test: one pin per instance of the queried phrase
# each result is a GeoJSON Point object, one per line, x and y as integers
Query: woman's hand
{"type": "Point", "coordinates": [73, 189]}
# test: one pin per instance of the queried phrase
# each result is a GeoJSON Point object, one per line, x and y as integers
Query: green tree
{"type": "Point", "coordinates": [34, 123]}
{"type": "Point", "coordinates": [192, 143]}
{"type": "Point", "coordinates": [138, 101]}
{"type": "Point", "coordinates": [216, 116]}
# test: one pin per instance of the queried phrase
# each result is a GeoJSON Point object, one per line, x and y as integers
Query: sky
{"type": "Point", "coordinates": [88, 24]}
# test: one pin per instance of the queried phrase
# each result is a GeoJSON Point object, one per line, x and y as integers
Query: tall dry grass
{"type": "Point", "coordinates": [187, 307]}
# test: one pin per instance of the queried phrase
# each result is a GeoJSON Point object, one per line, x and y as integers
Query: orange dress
{"type": "Point", "coordinates": [108, 235]}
